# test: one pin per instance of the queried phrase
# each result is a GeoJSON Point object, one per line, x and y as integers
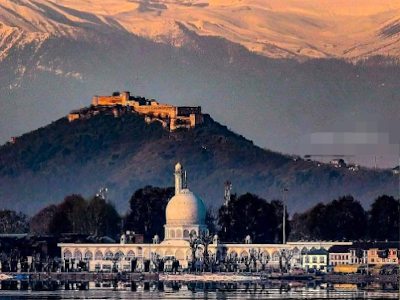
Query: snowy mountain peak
{"type": "Point", "coordinates": [299, 29]}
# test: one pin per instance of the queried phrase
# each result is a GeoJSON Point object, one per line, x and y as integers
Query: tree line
{"type": "Point", "coordinates": [77, 215]}
{"type": "Point", "coordinates": [248, 214]}
{"type": "Point", "coordinates": [346, 219]}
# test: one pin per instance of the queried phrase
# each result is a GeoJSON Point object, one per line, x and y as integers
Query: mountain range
{"type": "Point", "coordinates": [279, 29]}
{"type": "Point", "coordinates": [125, 153]}
{"type": "Point", "coordinates": [274, 71]}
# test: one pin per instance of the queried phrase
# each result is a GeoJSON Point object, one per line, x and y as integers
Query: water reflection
{"type": "Point", "coordinates": [189, 290]}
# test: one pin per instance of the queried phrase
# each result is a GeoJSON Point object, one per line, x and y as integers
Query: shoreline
{"type": "Point", "coordinates": [204, 277]}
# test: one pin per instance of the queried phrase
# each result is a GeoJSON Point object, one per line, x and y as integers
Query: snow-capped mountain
{"type": "Point", "coordinates": [274, 28]}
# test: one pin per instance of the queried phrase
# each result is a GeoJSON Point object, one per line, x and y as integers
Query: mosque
{"type": "Point", "coordinates": [185, 219]}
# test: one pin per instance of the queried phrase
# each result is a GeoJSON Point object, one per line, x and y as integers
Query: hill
{"type": "Point", "coordinates": [126, 153]}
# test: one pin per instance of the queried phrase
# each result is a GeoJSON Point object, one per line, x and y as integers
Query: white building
{"type": "Point", "coordinates": [316, 260]}
{"type": "Point", "coordinates": [185, 217]}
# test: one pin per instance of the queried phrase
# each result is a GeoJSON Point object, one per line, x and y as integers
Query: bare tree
{"type": "Point", "coordinates": [194, 243]}
{"type": "Point", "coordinates": [285, 257]}
{"type": "Point", "coordinates": [205, 240]}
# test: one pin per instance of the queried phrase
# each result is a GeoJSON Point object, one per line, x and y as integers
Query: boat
{"type": "Point", "coordinates": [208, 277]}
{"type": "Point", "coordinates": [5, 277]}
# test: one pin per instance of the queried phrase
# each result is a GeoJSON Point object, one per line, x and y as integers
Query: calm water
{"type": "Point", "coordinates": [174, 290]}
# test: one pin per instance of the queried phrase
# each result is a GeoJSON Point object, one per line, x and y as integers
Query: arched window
{"type": "Point", "coordinates": [193, 232]}
{"type": "Point", "coordinates": [119, 255]}
{"type": "Point", "coordinates": [172, 233]}
{"type": "Point", "coordinates": [264, 256]}
{"type": "Point", "coordinates": [78, 255]}
{"type": "Point", "coordinates": [244, 254]}
{"type": "Point", "coordinates": [88, 255]}
{"type": "Point", "coordinates": [67, 254]}
{"type": "Point", "coordinates": [98, 255]}
{"type": "Point", "coordinates": [186, 233]}
{"type": "Point", "coordinates": [130, 254]}
{"type": "Point", "coordinates": [178, 233]}
{"type": "Point", "coordinates": [109, 255]}
{"type": "Point", "coordinates": [275, 256]}
{"type": "Point", "coordinates": [233, 254]}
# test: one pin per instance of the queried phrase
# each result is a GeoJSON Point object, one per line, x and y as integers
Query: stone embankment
{"type": "Point", "coordinates": [206, 277]}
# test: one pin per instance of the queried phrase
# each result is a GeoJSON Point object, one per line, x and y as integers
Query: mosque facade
{"type": "Point", "coordinates": [185, 219]}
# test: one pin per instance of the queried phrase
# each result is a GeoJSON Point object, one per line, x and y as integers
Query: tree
{"type": "Point", "coordinates": [194, 243]}
{"type": "Point", "coordinates": [344, 219]}
{"type": "Point", "coordinates": [341, 219]}
{"type": "Point", "coordinates": [147, 211]}
{"type": "Point", "coordinates": [299, 227]}
{"type": "Point", "coordinates": [285, 256]}
{"type": "Point", "coordinates": [77, 215]}
{"type": "Point", "coordinates": [102, 218]}
{"type": "Point", "coordinates": [308, 225]}
{"type": "Point", "coordinates": [40, 223]}
{"type": "Point", "coordinates": [384, 219]}
{"type": "Point", "coordinates": [13, 222]}
{"type": "Point", "coordinates": [205, 240]}
{"type": "Point", "coordinates": [75, 209]}
{"type": "Point", "coordinates": [247, 215]}
{"type": "Point", "coordinates": [278, 209]}
{"type": "Point", "coordinates": [211, 220]}
{"type": "Point", "coordinates": [70, 216]}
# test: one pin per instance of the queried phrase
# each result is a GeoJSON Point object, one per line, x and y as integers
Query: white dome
{"type": "Point", "coordinates": [185, 209]}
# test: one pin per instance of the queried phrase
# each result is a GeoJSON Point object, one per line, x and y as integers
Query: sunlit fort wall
{"type": "Point", "coordinates": [170, 116]}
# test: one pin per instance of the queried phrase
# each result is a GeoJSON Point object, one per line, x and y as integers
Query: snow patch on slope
{"type": "Point", "coordinates": [274, 28]}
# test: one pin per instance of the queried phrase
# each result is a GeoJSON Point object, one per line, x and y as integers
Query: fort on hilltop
{"type": "Point", "coordinates": [170, 116]}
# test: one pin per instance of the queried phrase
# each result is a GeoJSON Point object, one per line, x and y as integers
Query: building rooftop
{"type": "Point", "coordinates": [376, 245]}
{"type": "Point", "coordinates": [317, 252]}
{"type": "Point", "coordinates": [340, 249]}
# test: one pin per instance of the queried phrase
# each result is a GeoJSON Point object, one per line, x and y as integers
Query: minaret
{"type": "Point", "coordinates": [178, 178]}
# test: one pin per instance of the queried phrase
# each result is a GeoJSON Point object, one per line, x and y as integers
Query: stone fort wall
{"type": "Point", "coordinates": [169, 115]}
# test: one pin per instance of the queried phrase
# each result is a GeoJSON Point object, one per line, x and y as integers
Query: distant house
{"type": "Point", "coordinates": [338, 162]}
{"type": "Point", "coordinates": [384, 253]}
{"type": "Point", "coordinates": [315, 260]}
{"type": "Point", "coordinates": [354, 168]}
{"type": "Point", "coordinates": [358, 255]}
{"type": "Point", "coordinates": [396, 170]}
{"type": "Point", "coordinates": [339, 255]}
{"type": "Point", "coordinates": [373, 253]}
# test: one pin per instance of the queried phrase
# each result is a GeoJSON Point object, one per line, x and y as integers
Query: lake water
{"type": "Point", "coordinates": [199, 290]}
